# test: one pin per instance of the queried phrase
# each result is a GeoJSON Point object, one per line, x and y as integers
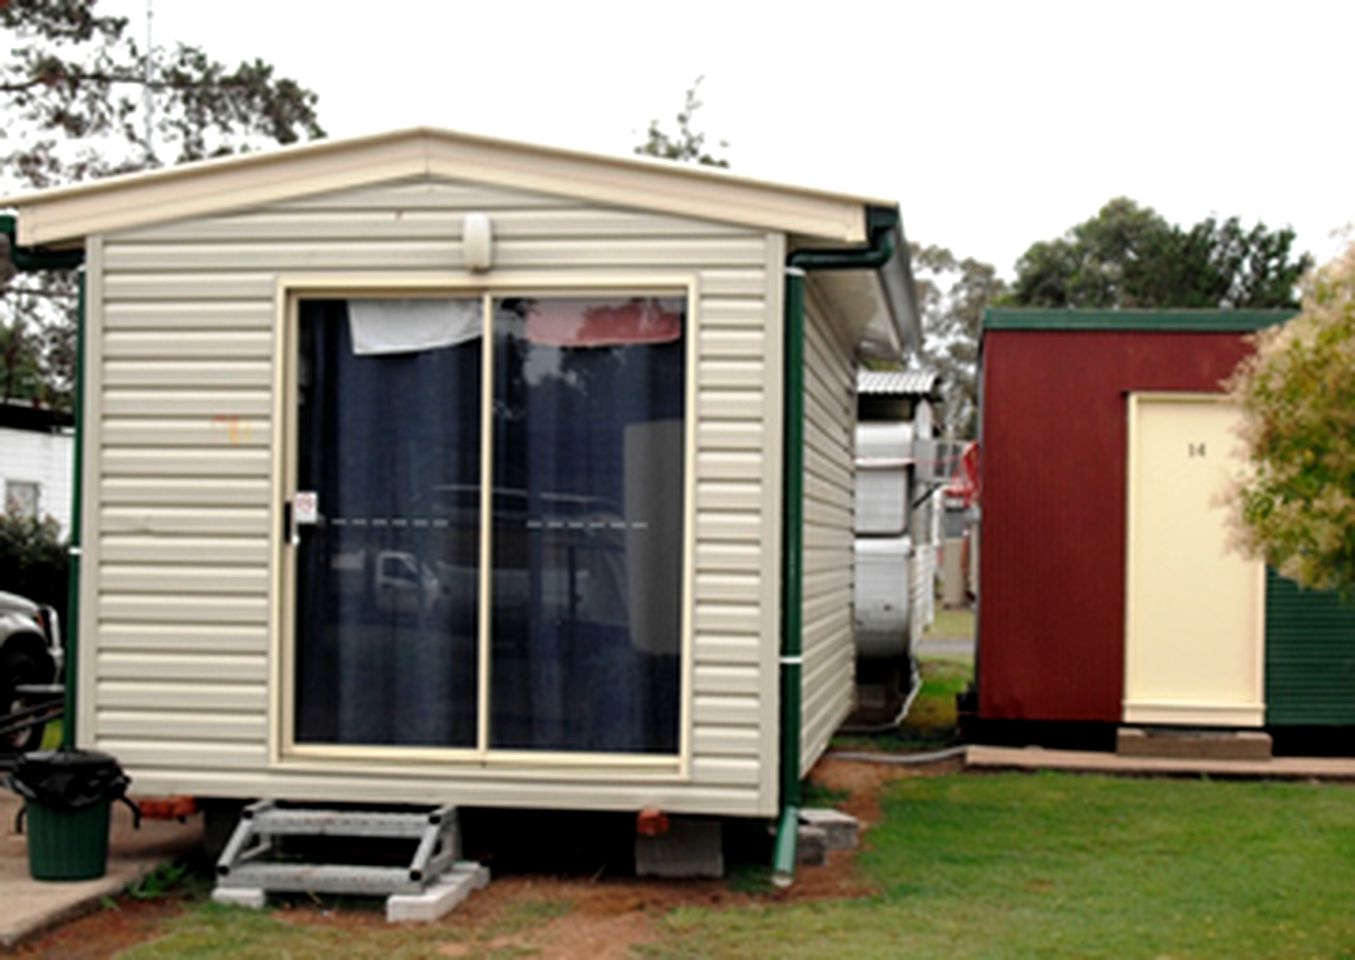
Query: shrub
{"type": "Point", "coordinates": [33, 559]}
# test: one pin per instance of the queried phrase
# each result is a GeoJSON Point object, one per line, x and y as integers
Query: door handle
{"type": "Point", "coordinates": [290, 534]}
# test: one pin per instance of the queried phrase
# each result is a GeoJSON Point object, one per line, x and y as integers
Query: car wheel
{"type": "Point", "coordinates": [16, 670]}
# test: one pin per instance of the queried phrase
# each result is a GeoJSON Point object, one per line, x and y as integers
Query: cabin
{"type": "Point", "coordinates": [1111, 594]}
{"type": "Point", "coordinates": [35, 462]}
{"type": "Point", "coordinates": [429, 467]}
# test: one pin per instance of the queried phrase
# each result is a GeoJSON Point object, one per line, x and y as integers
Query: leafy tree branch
{"type": "Point", "coordinates": [1297, 396]}
{"type": "Point", "coordinates": [687, 144]}
{"type": "Point", "coordinates": [81, 100]}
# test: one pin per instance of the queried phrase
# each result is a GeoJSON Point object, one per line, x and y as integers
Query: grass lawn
{"type": "Point", "coordinates": [1061, 866]}
{"type": "Point", "coordinates": [943, 678]}
{"type": "Point", "coordinates": [930, 724]}
{"type": "Point", "coordinates": [1009, 865]}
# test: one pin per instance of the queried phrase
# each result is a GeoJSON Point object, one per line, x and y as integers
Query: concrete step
{"type": "Point", "coordinates": [441, 897]}
{"type": "Point", "coordinates": [841, 830]}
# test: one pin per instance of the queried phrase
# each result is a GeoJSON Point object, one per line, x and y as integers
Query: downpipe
{"type": "Point", "coordinates": [880, 225]}
{"type": "Point", "coordinates": [792, 580]}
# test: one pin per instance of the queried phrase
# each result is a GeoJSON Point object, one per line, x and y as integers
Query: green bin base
{"type": "Point", "coordinates": [68, 844]}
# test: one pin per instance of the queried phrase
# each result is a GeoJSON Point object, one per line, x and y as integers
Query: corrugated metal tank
{"type": "Point", "coordinates": [883, 454]}
{"type": "Point", "coordinates": [1310, 656]}
{"type": "Point", "coordinates": [882, 608]}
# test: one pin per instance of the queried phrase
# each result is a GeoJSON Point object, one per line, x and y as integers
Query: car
{"type": "Point", "coordinates": [30, 654]}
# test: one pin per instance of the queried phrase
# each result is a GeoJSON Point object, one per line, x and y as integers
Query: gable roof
{"type": "Point", "coordinates": [66, 214]}
{"type": "Point", "coordinates": [63, 217]}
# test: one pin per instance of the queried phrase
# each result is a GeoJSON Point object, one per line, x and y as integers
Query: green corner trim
{"type": "Point", "coordinates": [1152, 321]}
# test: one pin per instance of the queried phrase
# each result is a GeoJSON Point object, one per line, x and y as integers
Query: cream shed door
{"type": "Point", "coordinates": [1194, 618]}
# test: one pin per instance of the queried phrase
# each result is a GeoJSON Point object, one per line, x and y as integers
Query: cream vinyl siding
{"type": "Point", "coordinates": [180, 595]}
{"type": "Point", "coordinates": [829, 498]}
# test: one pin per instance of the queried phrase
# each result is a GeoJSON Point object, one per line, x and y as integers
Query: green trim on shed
{"type": "Point", "coordinates": [1157, 321]}
{"type": "Point", "coordinates": [1310, 656]}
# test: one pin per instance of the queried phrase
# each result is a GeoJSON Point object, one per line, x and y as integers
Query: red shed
{"type": "Point", "coordinates": [1108, 593]}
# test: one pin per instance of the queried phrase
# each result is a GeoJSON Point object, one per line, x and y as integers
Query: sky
{"type": "Point", "coordinates": [993, 125]}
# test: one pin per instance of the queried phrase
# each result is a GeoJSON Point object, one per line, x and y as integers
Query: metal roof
{"type": "Point", "coordinates": [1164, 320]}
{"type": "Point", "coordinates": [897, 382]}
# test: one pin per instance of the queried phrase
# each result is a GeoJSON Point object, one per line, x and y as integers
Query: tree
{"type": "Point", "coordinates": [1130, 256]}
{"type": "Point", "coordinates": [1297, 396]}
{"type": "Point", "coordinates": [952, 295]}
{"type": "Point", "coordinates": [687, 145]}
{"type": "Point", "coordinates": [80, 99]}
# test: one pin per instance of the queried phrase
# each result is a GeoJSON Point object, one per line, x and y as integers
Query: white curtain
{"type": "Point", "coordinates": [410, 326]}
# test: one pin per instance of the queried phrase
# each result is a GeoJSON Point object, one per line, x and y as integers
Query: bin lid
{"type": "Point", "coordinates": [67, 779]}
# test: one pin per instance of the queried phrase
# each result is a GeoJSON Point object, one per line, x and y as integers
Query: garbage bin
{"type": "Point", "coordinates": [67, 796]}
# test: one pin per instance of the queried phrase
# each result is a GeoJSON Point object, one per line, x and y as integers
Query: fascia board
{"type": "Point", "coordinates": [67, 213]}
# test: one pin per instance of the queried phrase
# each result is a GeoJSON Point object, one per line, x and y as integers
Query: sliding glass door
{"type": "Point", "coordinates": [588, 404]}
{"type": "Point", "coordinates": [579, 647]}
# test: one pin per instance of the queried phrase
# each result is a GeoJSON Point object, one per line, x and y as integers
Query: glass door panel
{"type": "Point", "coordinates": [388, 461]}
{"type": "Point", "coordinates": [587, 524]}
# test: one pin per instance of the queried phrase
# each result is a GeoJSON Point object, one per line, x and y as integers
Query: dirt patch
{"type": "Point", "coordinates": [119, 924]}
{"type": "Point", "coordinates": [555, 918]}
{"type": "Point", "coordinates": [865, 782]}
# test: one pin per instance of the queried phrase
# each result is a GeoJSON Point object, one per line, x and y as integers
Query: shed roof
{"type": "Point", "coordinates": [897, 382]}
{"type": "Point", "coordinates": [1161, 321]}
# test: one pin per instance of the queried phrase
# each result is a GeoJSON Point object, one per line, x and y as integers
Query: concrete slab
{"type": "Point", "coordinates": [1081, 761]}
{"type": "Point", "coordinates": [811, 846]}
{"type": "Point", "coordinates": [31, 906]}
{"type": "Point", "coordinates": [479, 872]}
{"type": "Point", "coordinates": [842, 829]}
{"type": "Point", "coordinates": [441, 897]}
{"type": "Point", "coordinates": [251, 898]}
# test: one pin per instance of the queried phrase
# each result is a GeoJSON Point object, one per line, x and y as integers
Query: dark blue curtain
{"type": "Point", "coordinates": [387, 580]}
{"type": "Point", "coordinates": [587, 549]}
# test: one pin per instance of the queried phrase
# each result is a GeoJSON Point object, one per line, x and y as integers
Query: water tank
{"type": "Point", "coordinates": [882, 581]}
{"type": "Point", "coordinates": [883, 454]}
